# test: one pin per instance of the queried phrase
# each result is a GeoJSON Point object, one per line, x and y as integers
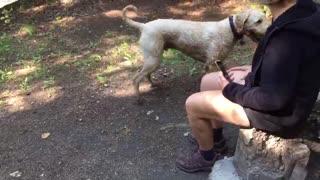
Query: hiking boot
{"type": "Point", "coordinates": [218, 147]}
{"type": "Point", "coordinates": [195, 162]}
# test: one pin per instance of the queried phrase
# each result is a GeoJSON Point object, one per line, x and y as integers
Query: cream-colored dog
{"type": "Point", "coordinates": [204, 41]}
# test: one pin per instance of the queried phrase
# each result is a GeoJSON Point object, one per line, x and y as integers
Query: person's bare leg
{"type": "Point", "coordinates": [205, 109]}
{"type": "Point", "coordinates": [202, 130]}
{"type": "Point", "coordinates": [209, 82]}
{"type": "Point", "coordinates": [212, 105]}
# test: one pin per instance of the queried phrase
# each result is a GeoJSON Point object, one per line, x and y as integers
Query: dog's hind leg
{"type": "Point", "coordinates": [152, 83]}
{"type": "Point", "coordinates": [150, 80]}
{"type": "Point", "coordinates": [151, 63]}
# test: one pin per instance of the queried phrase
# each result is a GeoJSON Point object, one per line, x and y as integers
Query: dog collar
{"type": "Point", "coordinates": [236, 35]}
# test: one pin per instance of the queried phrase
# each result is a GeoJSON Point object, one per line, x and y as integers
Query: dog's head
{"type": "Point", "coordinates": [252, 23]}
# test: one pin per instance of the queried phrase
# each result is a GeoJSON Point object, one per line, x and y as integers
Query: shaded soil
{"type": "Point", "coordinates": [97, 131]}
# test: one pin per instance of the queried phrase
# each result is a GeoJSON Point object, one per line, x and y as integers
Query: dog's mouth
{"type": "Point", "coordinates": [255, 37]}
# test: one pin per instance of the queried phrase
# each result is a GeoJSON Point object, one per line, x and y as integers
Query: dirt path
{"type": "Point", "coordinates": [96, 129]}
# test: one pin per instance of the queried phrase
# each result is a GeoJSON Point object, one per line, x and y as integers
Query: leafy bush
{"type": "Point", "coordinates": [5, 75]}
{"type": "Point", "coordinates": [6, 15]}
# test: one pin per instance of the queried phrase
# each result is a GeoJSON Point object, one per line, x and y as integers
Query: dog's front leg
{"type": "Point", "coordinates": [136, 83]}
{"type": "Point", "coordinates": [210, 66]}
{"type": "Point", "coordinates": [153, 84]}
{"type": "Point", "coordinates": [213, 53]}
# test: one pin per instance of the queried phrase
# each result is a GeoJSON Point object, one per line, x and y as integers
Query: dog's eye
{"type": "Point", "coordinates": [259, 21]}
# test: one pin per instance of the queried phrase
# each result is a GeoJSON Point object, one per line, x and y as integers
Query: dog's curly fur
{"type": "Point", "coordinates": [204, 41]}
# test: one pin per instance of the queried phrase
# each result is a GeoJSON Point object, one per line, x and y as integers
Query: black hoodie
{"type": "Point", "coordinates": [285, 78]}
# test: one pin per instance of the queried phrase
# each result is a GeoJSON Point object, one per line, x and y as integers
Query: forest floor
{"type": "Point", "coordinates": [67, 107]}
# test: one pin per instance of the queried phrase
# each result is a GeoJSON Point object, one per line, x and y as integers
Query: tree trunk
{"type": "Point", "coordinates": [267, 157]}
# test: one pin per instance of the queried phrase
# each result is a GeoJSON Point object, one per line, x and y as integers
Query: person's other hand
{"type": "Point", "coordinates": [241, 71]}
{"type": "Point", "coordinates": [222, 81]}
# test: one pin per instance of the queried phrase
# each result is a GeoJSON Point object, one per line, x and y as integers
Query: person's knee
{"type": "Point", "coordinates": [191, 102]}
{"type": "Point", "coordinates": [209, 82]}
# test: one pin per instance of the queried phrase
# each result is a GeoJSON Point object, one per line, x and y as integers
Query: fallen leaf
{"type": "Point", "coordinates": [45, 135]}
{"type": "Point", "coordinates": [149, 112]}
{"type": "Point", "coordinates": [16, 174]}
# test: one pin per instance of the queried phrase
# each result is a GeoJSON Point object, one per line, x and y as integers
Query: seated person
{"type": "Point", "coordinates": [275, 95]}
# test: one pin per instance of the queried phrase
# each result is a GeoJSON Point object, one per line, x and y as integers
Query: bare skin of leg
{"type": "Point", "coordinates": [209, 109]}
{"type": "Point", "coordinates": [209, 83]}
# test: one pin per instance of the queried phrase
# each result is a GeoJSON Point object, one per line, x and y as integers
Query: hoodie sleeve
{"type": "Point", "coordinates": [279, 70]}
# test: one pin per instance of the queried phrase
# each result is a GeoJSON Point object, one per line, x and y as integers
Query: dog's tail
{"type": "Point", "coordinates": [129, 21]}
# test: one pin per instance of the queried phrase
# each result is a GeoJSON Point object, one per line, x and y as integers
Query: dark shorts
{"type": "Point", "coordinates": [277, 125]}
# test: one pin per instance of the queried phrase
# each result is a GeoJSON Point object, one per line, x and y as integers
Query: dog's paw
{"type": "Point", "coordinates": [155, 85]}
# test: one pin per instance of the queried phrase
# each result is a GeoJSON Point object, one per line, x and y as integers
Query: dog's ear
{"type": "Point", "coordinates": [241, 19]}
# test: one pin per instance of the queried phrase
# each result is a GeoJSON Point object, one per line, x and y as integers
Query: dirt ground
{"type": "Point", "coordinates": [97, 131]}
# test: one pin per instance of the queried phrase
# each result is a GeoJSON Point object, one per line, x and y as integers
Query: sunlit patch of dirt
{"type": "Point", "coordinates": [176, 11]}
{"type": "Point", "coordinates": [64, 59]}
{"type": "Point", "coordinates": [145, 87]}
{"type": "Point", "coordinates": [189, 3]}
{"type": "Point", "coordinates": [118, 13]}
{"type": "Point", "coordinates": [24, 71]}
{"type": "Point", "coordinates": [233, 7]}
{"type": "Point", "coordinates": [47, 95]}
{"type": "Point", "coordinates": [16, 101]}
{"type": "Point", "coordinates": [35, 10]}
{"type": "Point", "coordinates": [128, 91]}
{"type": "Point", "coordinates": [66, 21]}
{"type": "Point", "coordinates": [197, 13]}
{"type": "Point", "coordinates": [20, 35]}
{"type": "Point", "coordinates": [125, 52]}
{"type": "Point", "coordinates": [191, 14]}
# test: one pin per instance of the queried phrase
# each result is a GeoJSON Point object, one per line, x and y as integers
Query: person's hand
{"type": "Point", "coordinates": [242, 72]}
{"type": "Point", "coordinates": [222, 81]}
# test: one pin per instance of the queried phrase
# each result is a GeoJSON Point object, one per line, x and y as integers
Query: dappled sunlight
{"type": "Point", "coordinates": [6, 93]}
{"type": "Point", "coordinates": [24, 71]}
{"type": "Point", "coordinates": [129, 90]}
{"type": "Point", "coordinates": [115, 13]}
{"type": "Point", "coordinates": [47, 95]}
{"type": "Point", "coordinates": [126, 52]}
{"type": "Point", "coordinates": [115, 69]}
{"type": "Point", "coordinates": [61, 60]}
{"type": "Point", "coordinates": [232, 7]}
{"type": "Point", "coordinates": [16, 104]}
{"type": "Point", "coordinates": [176, 11]}
{"type": "Point", "coordinates": [197, 13]}
{"type": "Point", "coordinates": [189, 4]}
{"type": "Point", "coordinates": [115, 74]}
{"type": "Point", "coordinates": [112, 41]}
{"type": "Point", "coordinates": [35, 10]}
{"type": "Point", "coordinates": [66, 21]}
{"type": "Point", "coordinates": [16, 101]}
{"type": "Point", "coordinates": [238, 9]}
{"type": "Point", "coordinates": [195, 10]}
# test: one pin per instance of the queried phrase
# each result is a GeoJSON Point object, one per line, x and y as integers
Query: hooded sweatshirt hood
{"type": "Point", "coordinates": [284, 83]}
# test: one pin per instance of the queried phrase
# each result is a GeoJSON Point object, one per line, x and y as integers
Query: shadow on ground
{"type": "Point", "coordinates": [97, 135]}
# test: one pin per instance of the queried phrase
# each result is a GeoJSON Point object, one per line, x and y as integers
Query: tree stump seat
{"type": "Point", "coordinates": [261, 156]}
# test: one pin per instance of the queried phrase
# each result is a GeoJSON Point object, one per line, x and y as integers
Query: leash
{"type": "Point", "coordinates": [235, 33]}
